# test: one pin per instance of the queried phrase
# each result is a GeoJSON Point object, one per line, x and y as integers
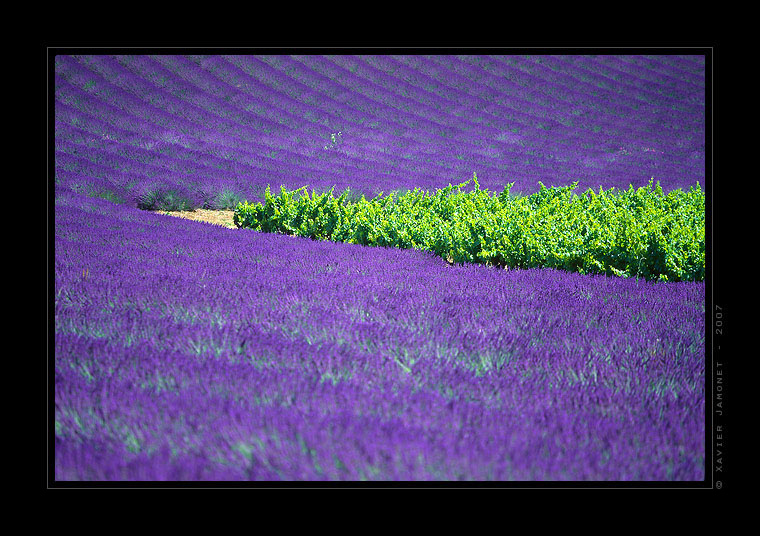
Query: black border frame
{"type": "Point", "coordinates": [713, 478]}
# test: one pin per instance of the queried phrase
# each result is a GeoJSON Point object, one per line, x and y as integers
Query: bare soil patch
{"type": "Point", "coordinates": [217, 217]}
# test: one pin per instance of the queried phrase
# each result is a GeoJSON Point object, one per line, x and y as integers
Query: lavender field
{"type": "Point", "coordinates": [190, 351]}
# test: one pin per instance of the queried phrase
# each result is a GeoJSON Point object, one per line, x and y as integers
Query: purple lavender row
{"type": "Point", "coordinates": [186, 351]}
{"type": "Point", "coordinates": [628, 151]}
{"type": "Point", "coordinates": [358, 157]}
{"type": "Point", "coordinates": [585, 77]}
{"type": "Point", "coordinates": [226, 71]}
{"type": "Point", "coordinates": [168, 145]}
{"type": "Point", "coordinates": [535, 167]}
{"type": "Point", "coordinates": [614, 75]}
{"type": "Point", "coordinates": [525, 88]}
{"type": "Point", "coordinates": [661, 170]}
{"type": "Point", "coordinates": [507, 137]}
{"type": "Point", "coordinates": [188, 83]}
{"type": "Point", "coordinates": [541, 82]}
{"type": "Point", "coordinates": [169, 135]}
{"type": "Point", "coordinates": [634, 167]}
{"type": "Point", "coordinates": [575, 117]}
{"type": "Point", "coordinates": [408, 97]}
{"type": "Point", "coordinates": [188, 115]}
{"type": "Point", "coordinates": [480, 113]}
{"type": "Point", "coordinates": [170, 160]}
{"type": "Point", "coordinates": [683, 74]}
{"type": "Point", "coordinates": [385, 118]}
{"type": "Point", "coordinates": [111, 133]}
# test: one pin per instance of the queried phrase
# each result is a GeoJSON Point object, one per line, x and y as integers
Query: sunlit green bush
{"type": "Point", "coordinates": [633, 233]}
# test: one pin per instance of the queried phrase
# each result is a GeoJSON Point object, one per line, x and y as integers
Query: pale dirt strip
{"type": "Point", "coordinates": [216, 217]}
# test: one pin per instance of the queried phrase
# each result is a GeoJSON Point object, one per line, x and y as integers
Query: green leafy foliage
{"type": "Point", "coordinates": [633, 233]}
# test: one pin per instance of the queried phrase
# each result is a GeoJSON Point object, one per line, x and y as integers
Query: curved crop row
{"type": "Point", "coordinates": [186, 351]}
{"type": "Point", "coordinates": [632, 233]}
{"type": "Point", "coordinates": [226, 126]}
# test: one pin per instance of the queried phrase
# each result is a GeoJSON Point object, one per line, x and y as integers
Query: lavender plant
{"type": "Point", "coordinates": [185, 351]}
{"type": "Point", "coordinates": [188, 351]}
{"type": "Point", "coordinates": [614, 122]}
